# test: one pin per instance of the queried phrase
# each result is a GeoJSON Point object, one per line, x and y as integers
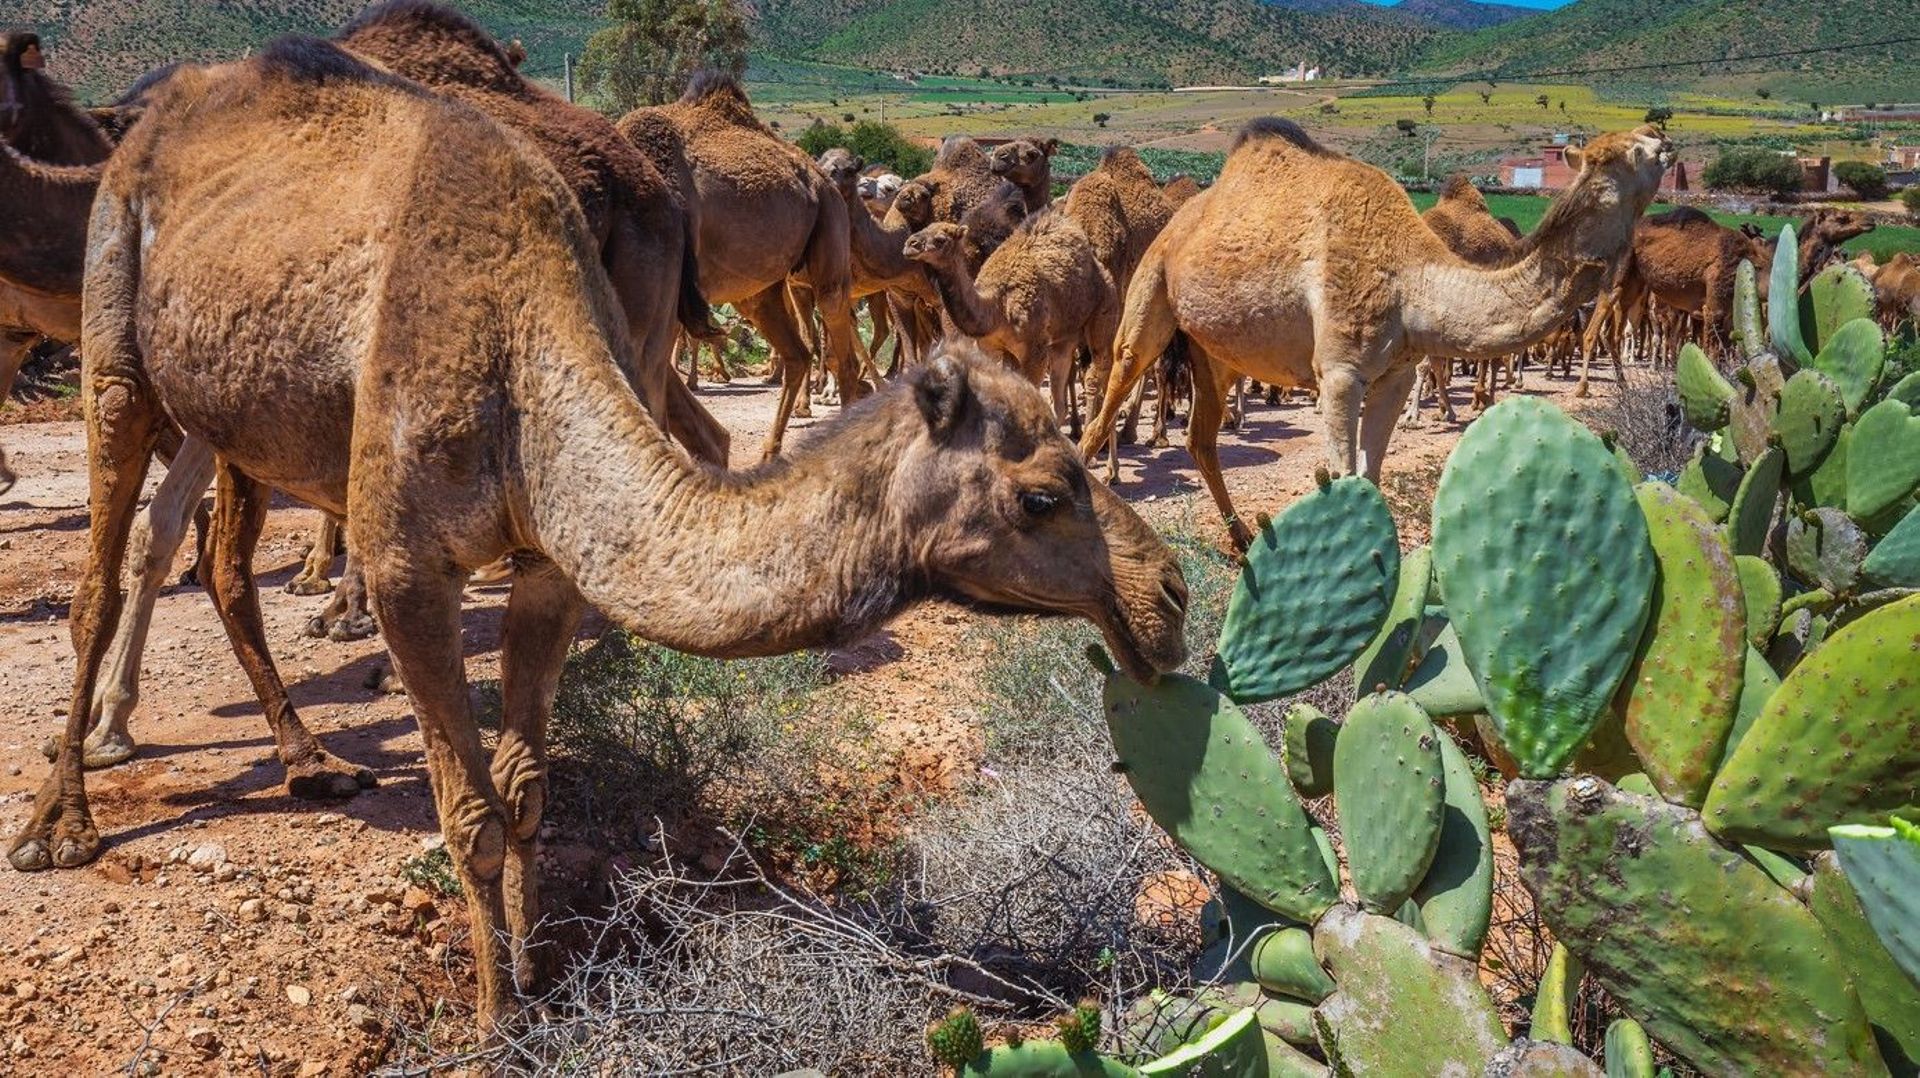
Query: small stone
{"type": "Point", "coordinates": [297, 914]}
{"type": "Point", "coordinates": [253, 909]}
{"type": "Point", "coordinates": [25, 990]}
{"type": "Point", "coordinates": [180, 965]}
{"type": "Point", "coordinates": [226, 872]}
{"type": "Point", "coordinates": [417, 901]}
{"type": "Point", "coordinates": [361, 1017]}
{"type": "Point", "coordinates": [20, 1048]}
{"type": "Point", "coordinates": [299, 995]}
{"type": "Point", "coordinates": [203, 1040]}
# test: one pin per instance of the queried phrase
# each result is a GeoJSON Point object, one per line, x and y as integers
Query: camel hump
{"type": "Point", "coordinates": [311, 60]}
{"type": "Point", "coordinates": [421, 18]}
{"type": "Point", "coordinates": [711, 86]}
{"type": "Point", "coordinates": [960, 152]}
{"type": "Point", "coordinates": [1459, 188]}
{"type": "Point", "coordinates": [1274, 127]}
{"type": "Point", "coordinates": [1680, 217]}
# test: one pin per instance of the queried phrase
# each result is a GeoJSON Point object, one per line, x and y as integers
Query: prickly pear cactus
{"type": "Point", "coordinates": [1836, 297]}
{"type": "Point", "coordinates": [956, 1039]}
{"type": "Point", "coordinates": [1392, 653]}
{"type": "Point", "coordinates": [1895, 560]}
{"type": "Point", "coordinates": [1319, 582]}
{"type": "Point", "coordinates": [1704, 393]}
{"type": "Point", "coordinates": [1442, 685]}
{"type": "Point", "coordinates": [1388, 784]}
{"type": "Point", "coordinates": [1760, 590]}
{"type": "Point", "coordinates": [1783, 300]}
{"type": "Point", "coordinates": [1526, 1058]}
{"type": "Point", "coordinates": [1838, 741]}
{"type": "Point", "coordinates": [1853, 356]}
{"type": "Point", "coordinates": [1883, 465]}
{"type": "Point", "coordinates": [1826, 486]}
{"type": "Point", "coordinates": [1307, 743]}
{"type": "Point", "coordinates": [1629, 1052]}
{"type": "Point", "coordinates": [1891, 1000]}
{"type": "Point", "coordinates": [1283, 962]}
{"type": "Point", "coordinates": [1883, 865]}
{"type": "Point", "coordinates": [1810, 416]}
{"type": "Point", "coordinates": [1043, 1059]}
{"type": "Point", "coordinates": [1402, 1006]}
{"type": "Point", "coordinates": [1754, 502]}
{"type": "Point", "coordinates": [1723, 966]}
{"type": "Point", "coordinates": [1554, 1001]}
{"type": "Point", "coordinates": [1232, 1049]}
{"type": "Point", "coordinates": [1749, 329]}
{"type": "Point", "coordinates": [1455, 897]}
{"type": "Point", "coordinates": [1825, 547]}
{"type": "Point", "coordinates": [1530, 501]}
{"type": "Point", "coordinates": [1756, 398]}
{"type": "Point", "coordinates": [1757, 685]}
{"type": "Point", "coordinates": [1683, 688]}
{"type": "Point", "coordinates": [1206, 777]}
{"type": "Point", "coordinates": [1711, 480]}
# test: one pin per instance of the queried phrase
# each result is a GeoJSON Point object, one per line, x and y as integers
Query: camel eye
{"type": "Point", "coordinates": [1036, 503]}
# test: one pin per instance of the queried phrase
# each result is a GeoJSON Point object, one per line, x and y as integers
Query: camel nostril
{"type": "Point", "coordinates": [1175, 592]}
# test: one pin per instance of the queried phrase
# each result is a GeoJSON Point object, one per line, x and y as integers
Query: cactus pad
{"type": "Point", "coordinates": [1402, 1007]}
{"type": "Point", "coordinates": [1043, 1059]}
{"type": "Point", "coordinates": [1629, 1052]}
{"type": "Point", "coordinates": [1757, 398]}
{"type": "Point", "coordinates": [1749, 328]}
{"type": "Point", "coordinates": [1757, 685]}
{"type": "Point", "coordinates": [1853, 357]}
{"type": "Point", "coordinates": [956, 1039]}
{"type": "Point", "coordinates": [1883, 462]}
{"type": "Point", "coordinates": [1826, 485]}
{"type": "Point", "coordinates": [1232, 1049]}
{"type": "Point", "coordinates": [1883, 865]}
{"type": "Point", "coordinates": [1318, 584]}
{"type": "Point", "coordinates": [1283, 962]}
{"type": "Point", "coordinates": [1442, 685]}
{"type": "Point", "coordinates": [1810, 416]}
{"type": "Point", "coordinates": [1825, 548]}
{"type": "Point", "coordinates": [1307, 741]}
{"type": "Point", "coordinates": [1894, 561]}
{"type": "Point", "coordinates": [1838, 742]}
{"type": "Point", "coordinates": [1891, 1000]}
{"type": "Point", "coordinates": [1204, 774]}
{"type": "Point", "coordinates": [1388, 783]}
{"type": "Point", "coordinates": [1391, 654]}
{"type": "Point", "coordinates": [1557, 997]}
{"type": "Point", "coordinates": [1704, 392]}
{"type": "Point", "coordinates": [1836, 296]}
{"type": "Point", "coordinates": [1711, 480]}
{"type": "Point", "coordinates": [1537, 539]}
{"type": "Point", "coordinates": [1540, 1059]}
{"type": "Point", "coordinates": [1684, 685]}
{"type": "Point", "coordinates": [1760, 594]}
{"type": "Point", "coordinates": [1725, 968]}
{"type": "Point", "coordinates": [1906, 390]}
{"type": "Point", "coordinates": [1455, 898]}
{"type": "Point", "coordinates": [1753, 503]}
{"type": "Point", "coordinates": [1783, 300]}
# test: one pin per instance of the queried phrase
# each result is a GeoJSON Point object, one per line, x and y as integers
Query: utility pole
{"type": "Point", "coordinates": [1426, 153]}
{"type": "Point", "coordinates": [567, 59]}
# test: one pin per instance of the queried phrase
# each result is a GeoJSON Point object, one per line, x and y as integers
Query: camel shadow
{"type": "Point", "coordinates": [72, 522]}
{"type": "Point", "coordinates": [1171, 471]}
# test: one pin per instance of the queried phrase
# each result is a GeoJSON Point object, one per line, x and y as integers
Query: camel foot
{"type": "Point", "coordinates": [803, 409]}
{"type": "Point", "coordinates": [103, 748]}
{"type": "Point", "coordinates": [190, 576]}
{"type": "Point", "coordinates": [499, 572]}
{"type": "Point", "coordinates": [309, 584]}
{"type": "Point", "coordinates": [1159, 441]}
{"type": "Point", "coordinates": [1126, 437]}
{"type": "Point", "coordinates": [342, 629]}
{"type": "Point", "coordinates": [1580, 390]}
{"type": "Point", "coordinates": [1241, 535]}
{"type": "Point", "coordinates": [322, 777]}
{"type": "Point", "coordinates": [56, 845]}
{"type": "Point", "coordinates": [384, 679]}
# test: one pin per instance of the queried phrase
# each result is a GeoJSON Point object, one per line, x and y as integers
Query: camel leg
{"type": "Point", "coordinates": [1163, 404]}
{"type": "Point", "coordinates": [312, 579]}
{"type": "Point", "coordinates": [239, 510]}
{"type": "Point", "coordinates": [1210, 386]}
{"type": "Point", "coordinates": [1060, 385]}
{"type": "Point", "coordinates": [346, 617]}
{"type": "Point", "coordinates": [770, 315]}
{"type": "Point", "coordinates": [405, 590]}
{"type": "Point", "coordinates": [1340, 394]}
{"type": "Point", "coordinates": [15, 346]}
{"type": "Point", "coordinates": [698, 432]}
{"type": "Point", "coordinates": [1140, 345]}
{"type": "Point", "coordinates": [881, 314]}
{"type": "Point", "coordinates": [1383, 399]}
{"type": "Point", "coordinates": [1603, 312]}
{"type": "Point", "coordinates": [123, 425]}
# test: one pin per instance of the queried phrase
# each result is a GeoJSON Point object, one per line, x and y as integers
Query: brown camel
{"type": "Point", "coordinates": [1180, 189]}
{"type": "Point", "coordinates": [450, 387]}
{"type": "Point", "coordinates": [1038, 298]}
{"type": "Point", "coordinates": [643, 237]}
{"type": "Point", "coordinates": [1463, 222]}
{"type": "Point", "coordinates": [1028, 165]}
{"type": "Point", "coordinates": [1304, 267]}
{"type": "Point", "coordinates": [1896, 289]}
{"type": "Point", "coordinates": [880, 265]}
{"type": "Point", "coordinates": [763, 214]}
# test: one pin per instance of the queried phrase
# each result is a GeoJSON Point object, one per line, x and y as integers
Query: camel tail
{"type": "Point", "coordinates": [693, 312]}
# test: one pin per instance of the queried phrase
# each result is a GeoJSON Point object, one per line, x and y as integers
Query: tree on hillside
{"type": "Point", "coordinates": [655, 46]}
{"type": "Point", "coordinates": [1427, 100]}
{"type": "Point", "coordinates": [1863, 178]}
{"type": "Point", "coordinates": [1659, 115]}
{"type": "Point", "coordinates": [1541, 101]}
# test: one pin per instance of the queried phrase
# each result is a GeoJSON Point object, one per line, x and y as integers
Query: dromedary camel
{"type": "Point", "coordinates": [1463, 222]}
{"type": "Point", "coordinates": [644, 239]}
{"type": "Point", "coordinates": [763, 214]}
{"type": "Point", "coordinates": [1039, 297]}
{"type": "Point", "coordinates": [880, 264]}
{"type": "Point", "coordinates": [1896, 289]}
{"type": "Point", "coordinates": [1303, 267]}
{"type": "Point", "coordinates": [444, 343]}
{"type": "Point", "coordinates": [1028, 165]}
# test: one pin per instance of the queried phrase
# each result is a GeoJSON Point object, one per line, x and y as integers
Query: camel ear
{"type": "Point", "coordinates": [940, 389]}
{"type": "Point", "coordinates": [1050, 146]}
{"type": "Point", "coordinates": [1576, 158]}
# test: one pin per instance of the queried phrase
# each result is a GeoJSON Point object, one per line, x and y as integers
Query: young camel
{"type": "Point", "coordinates": [1039, 297]}
{"type": "Point", "coordinates": [1303, 267]}
{"type": "Point", "coordinates": [451, 388]}
{"type": "Point", "coordinates": [644, 240]}
{"type": "Point", "coordinates": [1028, 165]}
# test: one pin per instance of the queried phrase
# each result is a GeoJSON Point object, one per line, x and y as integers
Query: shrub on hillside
{"type": "Point", "coordinates": [1911, 199]}
{"type": "Point", "coordinates": [879, 143]}
{"type": "Point", "coordinates": [1863, 178]}
{"type": "Point", "coordinates": [1755, 171]}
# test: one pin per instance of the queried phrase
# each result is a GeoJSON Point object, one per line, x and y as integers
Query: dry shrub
{"type": "Point", "coordinates": [1642, 414]}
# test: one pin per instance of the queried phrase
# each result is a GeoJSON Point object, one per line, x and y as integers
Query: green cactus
{"type": "Point", "coordinates": [1906, 390]}
{"type": "Point", "coordinates": [1388, 784]}
{"type": "Point", "coordinates": [1750, 418]}
{"type": "Point", "coordinates": [1680, 694]}
{"type": "Point", "coordinates": [1853, 358]}
{"type": "Point", "coordinates": [1539, 488]}
{"type": "Point", "coordinates": [1754, 502]}
{"type": "Point", "coordinates": [1891, 1000]}
{"type": "Point", "coordinates": [1810, 417]}
{"type": "Point", "coordinates": [1704, 393]}
{"type": "Point", "coordinates": [1749, 330]}
{"type": "Point", "coordinates": [1043, 1059]}
{"type": "Point", "coordinates": [1540, 1059]}
{"type": "Point", "coordinates": [1455, 898]}
{"type": "Point", "coordinates": [1392, 653]}
{"type": "Point", "coordinates": [1282, 961]}
{"type": "Point", "coordinates": [1724, 967]}
{"type": "Point", "coordinates": [1757, 684]}
{"type": "Point", "coordinates": [1894, 561]}
{"type": "Point", "coordinates": [1442, 685]}
{"type": "Point", "coordinates": [1557, 997]}
{"type": "Point", "coordinates": [1780, 868]}
{"type": "Point", "coordinates": [1232, 1049]}
{"type": "Point", "coordinates": [1883, 865]}
{"type": "Point", "coordinates": [1783, 300]}
{"type": "Point", "coordinates": [1711, 480]}
{"type": "Point", "coordinates": [1307, 742]}
{"type": "Point", "coordinates": [1637, 783]}
{"type": "Point", "coordinates": [1629, 1052]}
{"type": "Point", "coordinates": [1163, 1023]}
{"type": "Point", "coordinates": [1319, 582]}
{"type": "Point", "coordinates": [1836, 297]}
{"type": "Point", "coordinates": [1883, 466]}
{"type": "Point", "coordinates": [1826, 486]}
{"type": "Point", "coordinates": [1080, 1028]}
{"type": "Point", "coordinates": [1402, 1007]}
{"type": "Point", "coordinates": [956, 1039]}
{"type": "Point", "coordinates": [1835, 743]}
{"type": "Point", "coordinates": [1825, 547]}
{"type": "Point", "coordinates": [1761, 595]}
{"type": "Point", "coordinates": [1204, 774]}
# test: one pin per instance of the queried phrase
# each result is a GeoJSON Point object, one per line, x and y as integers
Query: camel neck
{"type": "Point", "coordinates": [795, 553]}
{"type": "Point", "coordinates": [43, 212]}
{"type": "Point", "coordinates": [972, 313]}
{"type": "Point", "coordinates": [877, 249]}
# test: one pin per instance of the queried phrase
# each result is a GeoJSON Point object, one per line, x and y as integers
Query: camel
{"type": "Point", "coordinates": [1896, 289]}
{"type": "Point", "coordinates": [1180, 189]}
{"type": "Point", "coordinates": [1038, 298]}
{"type": "Point", "coordinates": [644, 241]}
{"type": "Point", "coordinates": [763, 214]}
{"type": "Point", "coordinates": [1463, 222]}
{"type": "Point", "coordinates": [1304, 267]}
{"type": "Point", "coordinates": [1028, 165]}
{"type": "Point", "coordinates": [880, 265]}
{"type": "Point", "coordinates": [452, 389]}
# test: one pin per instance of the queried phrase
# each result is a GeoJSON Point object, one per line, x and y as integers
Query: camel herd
{"type": "Point", "coordinates": [387, 275]}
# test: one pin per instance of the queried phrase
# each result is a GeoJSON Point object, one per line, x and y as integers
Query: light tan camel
{"type": "Point", "coordinates": [1303, 267]}
{"type": "Point", "coordinates": [644, 240]}
{"type": "Point", "coordinates": [1463, 222]}
{"type": "Point", "coordinates": [763, 214]}
{"type": "Point", "coordinates": [1028, 165]}
{"type": "Point", "coordinates": [1039, 297]}
{"type": "Point", "coordinates": [1180, 189]}
{"type": "Point", "coordinates": [443, 341]}
{"type": "Point", "coordinates": [1896, 288]}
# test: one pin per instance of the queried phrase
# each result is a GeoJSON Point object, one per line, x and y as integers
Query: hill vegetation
{"type": "Point", "coordinates": [1460, 14]}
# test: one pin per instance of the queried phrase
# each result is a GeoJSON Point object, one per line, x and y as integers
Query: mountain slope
{"type": "Point", "coordinates": [1461, 14]}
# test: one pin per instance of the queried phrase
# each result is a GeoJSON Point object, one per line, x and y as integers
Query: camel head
{"type": "Point", "coordinates": [914, 203]}
{"type": "Point", "coordinates": [1003, 512]}
{"type": "Point", "coordinates": [939, 243]}
{"type": "Point", "coordinates": [1629, 163]}
{"type": "Point", "coordinates": [1830, 227]}
{"type": "Point", "coordinates": [1022, 160]}
{"type": "Point", "coordinates": [843, 169]}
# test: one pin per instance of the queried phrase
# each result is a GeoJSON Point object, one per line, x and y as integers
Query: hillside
{"type": "Point", "coordinates": [100, 47]}
{"type": "Point", "coordinates": [1602, 33]}
{"type": "Point", "coordinates": [1130, 40]}
{"type": "Point", "coordinates": [1460, 14]}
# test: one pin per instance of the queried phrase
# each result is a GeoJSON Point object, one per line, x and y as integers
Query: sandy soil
{"type": "Point", "coordinates": [229, 928]}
